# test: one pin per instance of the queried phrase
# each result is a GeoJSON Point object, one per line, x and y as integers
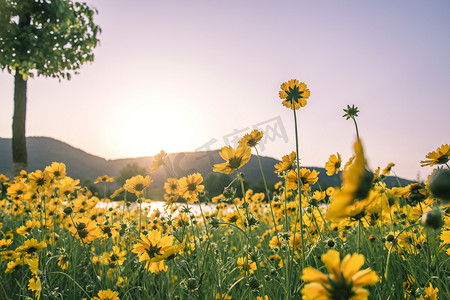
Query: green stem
{"type": "Point", "coordinates": [86, 251]}
{"type": "Point", "coordinates": [299, 187]}
{"type": "Point", "coordinates": [356, 127]}
{"type": "Point", "coordinates": [267, 191]}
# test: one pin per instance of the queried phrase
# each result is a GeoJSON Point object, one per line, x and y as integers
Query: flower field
{"type": "Point", "coordinates": [360, 240]}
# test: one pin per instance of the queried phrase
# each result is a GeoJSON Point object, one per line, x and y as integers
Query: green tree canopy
{"type": "Point", "coordinates": [46, 37]}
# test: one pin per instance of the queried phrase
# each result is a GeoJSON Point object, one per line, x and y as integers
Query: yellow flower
{"type": "Point", "coordinates": [252, 139]}
{"type": "Point", "coordinates": [246, 265]}
{"type": "Point", "coordinates": [116, 257]}
{"type": "Point", "coordinates": [56, 170]}
{"type": "Point", "coordinates": [431, 293]}
{"type": "Point", "coordinates": [235, 158]}
{"type": "Point", "coordinates": [171, 186]}
{"type": "Point", "coordinates": [29, 225]}
{"type": "Point", "coordinates": [294, 91]}
{"type": "Point", "coordinates": [386, 171]}
{"type": "Point", "coordinates": [104, 178]}
{"type": "Point", "coordinates": [158, 161]}
{"type": "Point", "coordinates": [154, 249]}
{"type": "Point", "coordinates": [307, 178]}
{"type": "Point", "coordinates": [106, 295]}
{"type": "Point", "coordinates": [117, 192]}
{"type": "Point", "coordinates": [190, 186]}
{"type": "Point", "coordinates": [38, 180]}
{"type": "Point", "coordinates": [17, 190]}
{"type": "Point", "coordinates": [223, 296]}
{"type": "Point", "coordinates": [356, 183]}
{"type": "Point", "coordinates": [137, 184]}
{"type": "Point", "coordinates": [286, 163]}
{"type": "Point", "coordinates": [85, 230]}
{"type": "Point", "coordinates": [63, 262]}
{"type": "Point", "coordinates": [333, 164]}
{"type": "Point", "coordinates": [439, 157]}
{"type": "Point", "coordinates": [345, 281]}
{"type": "Point", "coordinates": [30, 246]}
{"type": "Point", "coordinates": [34, 284]}
{"type": "Point", "coordinates": [68, 185]}
{"type": "Point", "coordinates": [33, 263]}
{"type": "Point", "coordinates": [12, 266]}
{"type": "Point", "coordinates": [5, 243]}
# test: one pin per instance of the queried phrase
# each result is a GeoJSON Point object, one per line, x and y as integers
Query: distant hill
{"type": "Point", "coordinates": [42, 151]}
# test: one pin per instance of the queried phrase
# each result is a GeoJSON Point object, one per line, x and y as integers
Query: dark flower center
{"type": "Point", "coordinates": [192, 187]}
{"type": "Point", "coordinates": [153, 251]}
{"type": "Point", "coordinates": [234, 162]}
{"type": "Point", "coordinates": [294, 94]}
{"type": "Point", "coordinates": [139, 187]}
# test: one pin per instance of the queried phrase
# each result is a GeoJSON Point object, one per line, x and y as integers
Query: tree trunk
{"type": "Point", "coordinates": [19, 146]}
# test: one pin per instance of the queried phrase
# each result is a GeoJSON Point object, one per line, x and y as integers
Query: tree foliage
{"type": "Point", "coordinates": [46, 37]}
{"type": "Point", "coordinates": [130, 170]}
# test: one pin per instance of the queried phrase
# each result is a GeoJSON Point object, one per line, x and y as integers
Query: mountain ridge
{"type": "Point", "coordinates": [42, 151]}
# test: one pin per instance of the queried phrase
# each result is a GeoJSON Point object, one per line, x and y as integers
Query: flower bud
{"type": "Point", "coordinates": [433, 218]}
{"type": "Point", "coordinates": [440, 184]}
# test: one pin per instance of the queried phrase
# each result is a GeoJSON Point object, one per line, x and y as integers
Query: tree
{"type": "Point", "coordinates": [50, 38]}
{"type": "Point", "coordinates": [130, 170]}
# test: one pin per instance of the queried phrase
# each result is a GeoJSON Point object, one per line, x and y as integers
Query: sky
{"type": "Point", "coordinates": [195, 75]}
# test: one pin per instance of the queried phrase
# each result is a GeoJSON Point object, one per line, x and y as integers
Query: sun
{"type": "Point", "coordinates": [143, 128]}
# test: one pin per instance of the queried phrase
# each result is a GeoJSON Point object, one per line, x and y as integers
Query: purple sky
{"type": "Point", "coordinates": [175, 75]}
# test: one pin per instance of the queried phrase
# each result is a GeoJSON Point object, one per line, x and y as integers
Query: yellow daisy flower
{"type": "Point", "coordinates": [104, 178]}
{"type": "Point", "coordinates": [234, 158]}
{"type": "Point", "coordinates": [190, 186]}
{"type": "Point", "coordinates": [439, 157]}
{"type": "Point", "coordinates": [154, 249]}
{"type": "Point", "coordinates": [252, 139]}
{"type": "Point", "coordinates": [333, 164]}
{"type": "Point", "coordinates": [294, 91]}
{"type": "Point", "coordinates": [246, 265]}
{"type": "Point", "coordinates": [430, 293]}
{"type": "Point", "coordinates": [307, 177]}
{"type": "Point", "coordinates": [56, 170]}
{"type": "Point", "coordinates": [38, 180]}
{"type": "Point", "coordinates": [86, 230]}
{"type": "Point", "coordinates": [30, 246]}
{"type": "Point", "coordinates": [137, 184]}
{"type": "Point", "coordinates": [107, 295]}
{"type": "Point", "coordinates": [386, 171]}
{"type": "Point", "coordinates": [286, 163]}
{"type": "Point", "coordinates": [345, 281]}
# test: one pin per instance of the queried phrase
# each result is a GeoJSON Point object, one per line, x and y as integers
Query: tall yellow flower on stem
{"type": "Point", "coordinates": [345, 280]}
{"type": "Point", "coordinates": [294, 95]}
{"type": "Point", "coordinates": [295, 92]}
{"type": "Point", "coordinates": [251, 139]}
{"type": "Point", "coordinates": [235, 159]}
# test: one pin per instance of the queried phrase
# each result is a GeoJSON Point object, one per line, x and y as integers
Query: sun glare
{"type": "Point", "coordinates": [144, 128]}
